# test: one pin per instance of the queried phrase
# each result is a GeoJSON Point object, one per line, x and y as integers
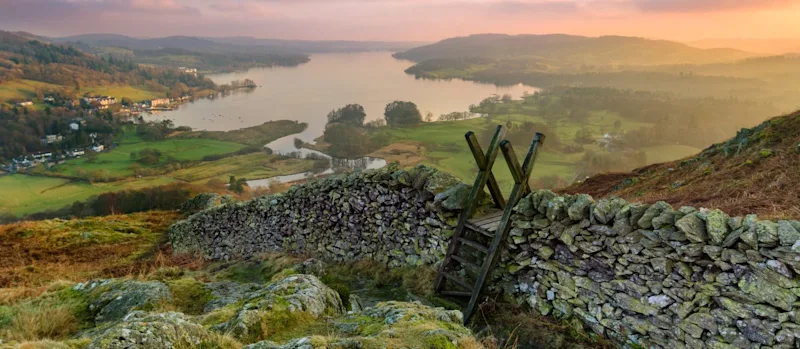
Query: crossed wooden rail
{"type": "Point", "coordinates": [494, 226]}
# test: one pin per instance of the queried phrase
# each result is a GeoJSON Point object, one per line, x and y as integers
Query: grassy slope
{"type": "Point", "coordinates": [22, 89]}
{"type": "Point", "coordinates": [26, 89]}
{"type": "Point", "coordinates": [761, 177]}
{"type": "Point", "coordinates": [30, 194]}
{"type": "Point", "coordinates": [443, 146]}
{"type": "Point", "coordinates": [80, 249]}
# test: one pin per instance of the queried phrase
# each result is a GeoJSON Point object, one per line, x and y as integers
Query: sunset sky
{"type": "Point", "coordinates": [413, 20]}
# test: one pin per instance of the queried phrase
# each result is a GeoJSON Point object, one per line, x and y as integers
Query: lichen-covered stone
{"type": "Point", "coordinates": [111, 300]}
{"type": "Point", "coordinates": [717, 226]}
{"type": "Point", "coordinates": [140, 330]}
{"type": "Point", "coordinates": [693, 227]}
{"type": "Point", "coordinates": [294, 293]}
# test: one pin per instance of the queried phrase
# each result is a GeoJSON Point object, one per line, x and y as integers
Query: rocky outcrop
{"type": "Point", "coordinates": [389, 325]}
{"type": "Point", "coordinates": [656, 276]}
{"type": "Point", "coordinates": [292, 294]}
{"type": "Point", "coordinates": [140, 330]}
{"type": "Point", "coordinates": [111, 300]}
{"type": "Point", "coordinates": [395, 216]}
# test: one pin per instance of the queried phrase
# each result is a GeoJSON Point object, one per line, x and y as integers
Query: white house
{"type": "Point", "coordinates": [50, 139]}
{"type": "Point", "coordinates": [75, 126]}
{"type": "Point", "coordinates": [98, 148]}
{"type": "Point", "coordinates": [25, 104]}
{"type": "Point", "coordinates": [76, 153]}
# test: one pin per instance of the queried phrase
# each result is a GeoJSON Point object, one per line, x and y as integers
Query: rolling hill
{"type": "Point", "coordinates": [754, 172]}
{"type": "Point", "coordinates": [602, 50]}
{"type": "Point", "coordinates": [763, 46]}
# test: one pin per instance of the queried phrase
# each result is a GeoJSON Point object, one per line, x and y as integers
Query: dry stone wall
{"type": "Point", "coordinates": [647, 276]}
{"type": "Point", "coordinates": [399, 217]}
{"type": "Point", "coordinates": [656, 277]}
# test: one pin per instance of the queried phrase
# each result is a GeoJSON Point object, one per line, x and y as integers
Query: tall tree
{"type": "Point", "coordinates": [351, 114]}
{"type": "Point", "coordinates": [400, 113]}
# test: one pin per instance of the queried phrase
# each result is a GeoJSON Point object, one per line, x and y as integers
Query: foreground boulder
{"type": "Point", "coordinates": [272, 308]}
{"type": "Point", "coordinates": [111, 300]}
{"type": "Point", "coordinates": [140, 330]}
{"type": "Point", "coordinates": [390, 325]}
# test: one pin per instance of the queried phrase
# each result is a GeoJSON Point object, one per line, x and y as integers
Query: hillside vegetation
{"type": "Point", "coordinates": [754, 172]}
{"type": "Point", "coordinates": [73, 71]}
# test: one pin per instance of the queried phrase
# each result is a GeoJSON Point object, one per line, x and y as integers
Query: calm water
{"type": "Point", "coordinates": [308, 92]}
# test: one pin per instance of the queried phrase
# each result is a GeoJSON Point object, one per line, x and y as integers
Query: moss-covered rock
{"type": "Point", "coordinates": [293, 300]}
{"type": "Point", "coordinates": [111, 300]}
{"type": "Point", "coordinates": [140, 330]}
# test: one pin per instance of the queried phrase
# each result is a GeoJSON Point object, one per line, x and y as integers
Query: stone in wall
{"type": "Point", "coordinates": [654, 275]}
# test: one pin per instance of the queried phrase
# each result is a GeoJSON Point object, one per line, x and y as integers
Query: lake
{"type": "Point", "coordinates": [308, 92]}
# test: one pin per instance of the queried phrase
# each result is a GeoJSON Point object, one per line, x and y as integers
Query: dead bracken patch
{"type": "Point", "coordinates": [754, 172]}
{"type": "Point", "coordinates": [34, 254]}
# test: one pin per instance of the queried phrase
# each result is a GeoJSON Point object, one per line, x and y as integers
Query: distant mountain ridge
{"type": "Point", "coordinates": [239, 44]}
{"type": "Point", "coordinates": [763, 46]}
{"type": "Point", "coordinates": [575, 49]}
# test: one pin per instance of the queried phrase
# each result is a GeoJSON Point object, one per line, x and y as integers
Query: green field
{"type": "Point", "coordinates": [30, 194]}
{"type": "Point", "coordinates": [117, 162]}
{"type": "Point", "coordinates": [132, 92]}
{"type": "Point", "coordinates": [445, 147]}
{"type": "Point", "coordinates": [251, 166]}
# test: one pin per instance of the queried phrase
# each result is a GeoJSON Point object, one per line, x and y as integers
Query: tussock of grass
{"type": "Point", "coordinates": [56, 314]}
{"type": "Point", "coordinates": [189, 296]}
{"type": "Point", "coordinates": [503, 325]}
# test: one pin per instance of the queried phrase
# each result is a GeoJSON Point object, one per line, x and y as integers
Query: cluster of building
{"type": "Point", "coordinates": [49, 159]}
{"type": "Point", "coordinates": [188, 70]}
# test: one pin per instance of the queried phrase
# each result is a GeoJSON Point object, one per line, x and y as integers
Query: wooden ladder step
{"type": "Point", "coordinates": [456, 293]}
{"type": "Point", "coordinates": [474, 245]}
{"type": "Point", "coordinates": [466, 263]}
{"type": "Point", "coordinates": [457, 280]}
{"type": "Point", "coordinates": [479, 230]}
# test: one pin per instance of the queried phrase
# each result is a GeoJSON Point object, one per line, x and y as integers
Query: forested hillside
{"type": "Point", "coordinates": [21, 58]}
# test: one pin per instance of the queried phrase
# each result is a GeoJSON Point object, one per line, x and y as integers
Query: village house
{"type": "Point", "coordinates": [25, 104]}
{"type": "Point", "coordinates": [102, 100]}
{"type": "Point", "coordinates": [50, 100]}
{"type": "Point", "coordinates": [76, 153]}
{"type": "Point", "coordinates": [188, 70]}
{"type": "Point", "coordinates": [159, 101]}
{"type": "Point", "coordinates": [50, 139]}
{"type": "Point", "coordinates": [611, 141]}
{"type": "Point", "coordinates": [98, 148]}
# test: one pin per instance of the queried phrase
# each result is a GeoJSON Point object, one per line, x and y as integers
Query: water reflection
{"type": "Point", "coordinates": [285, 146]}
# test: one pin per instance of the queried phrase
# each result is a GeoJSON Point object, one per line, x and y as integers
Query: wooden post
{"type": "Point", "coordinates": [520, 187]}
{"type": "Point", "coordinates": [480, 160]}
{"type": "Point", "coordinates": [483, 177]}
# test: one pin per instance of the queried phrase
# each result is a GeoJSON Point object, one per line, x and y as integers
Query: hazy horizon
{"type": "Point", "coordinates": [406, 20]}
